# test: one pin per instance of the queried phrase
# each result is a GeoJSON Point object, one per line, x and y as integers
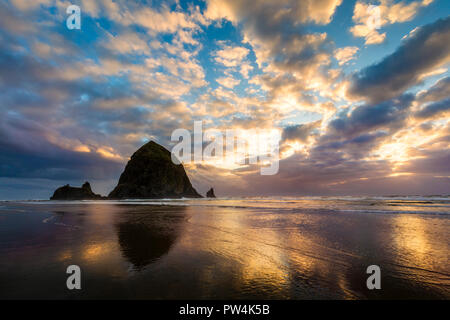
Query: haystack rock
{"type": "Point", "coordinates": [150, 173]}
{"type": "Point", "coordinates": [73, 193]}
{"type": "Point", "coordinates": [210, 193]}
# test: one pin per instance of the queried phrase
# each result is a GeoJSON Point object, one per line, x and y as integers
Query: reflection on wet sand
{"type": "Point", "coordinates": [237, 252]}
{"type": "Point", "coordinates": [160, 251]}
{"type": "Point", "coordinates": [417, 257]}
{"type": "Point", "coordinates": [145, 239]}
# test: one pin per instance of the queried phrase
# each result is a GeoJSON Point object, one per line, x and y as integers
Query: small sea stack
{"type": "Point", "coordinates": [210, 193]}
{"type": "Point", "coordinates": [73, 193]}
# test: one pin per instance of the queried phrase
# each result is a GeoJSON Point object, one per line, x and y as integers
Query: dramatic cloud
{"type": "Point", "coordinates": [300, 11]}
{"type": "Point", "coordinates": [441, 108]}
{"type": "Point", "coordinates": [300, 132]}
{"type": "Point", "coordinates": [369, 18]}
{"type": "Point", "coordinates": [29, 150]}
{"type": "Point", "coordinates": [426, 50]}
{"type": "Point", "coordinates": [389, 114]}
{"type": "Point", "coordinates": [76, 104]}
{"type": "Point", "coordinates": [291, 57]}
{"type": "Point", "coordinates": [438, 91]}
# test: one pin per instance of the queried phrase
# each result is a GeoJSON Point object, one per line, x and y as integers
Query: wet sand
{"type": "Point", "coordinates": [236, 249]}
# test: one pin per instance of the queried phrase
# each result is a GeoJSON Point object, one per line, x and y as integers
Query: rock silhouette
{"type": "Point", "coordinates": [73, 193]}
{"type": "Point", "coordinates": [210, 193]}
{"type": "Point", "coordinates": [150, 173]}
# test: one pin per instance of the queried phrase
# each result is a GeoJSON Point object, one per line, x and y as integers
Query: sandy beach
{"type": "Point", "coordinates": [255, 248]}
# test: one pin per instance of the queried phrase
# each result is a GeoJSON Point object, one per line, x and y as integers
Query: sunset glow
{"type": "Point", "coordinates": [358, 90]}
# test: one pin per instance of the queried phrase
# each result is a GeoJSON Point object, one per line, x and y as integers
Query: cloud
{"type": "Point", "coordinates": [228, 82]}
{"type": "Point", "coordinates": [426, 50]}
{"type": "Point", "coordinates": [231, 56]}
{"type": "Point", "coordinates": [165, 21]}
{"type": "Point", "coordinates": [285, 51]}
{"type": "Point", "coordinates": [441, 109]}
{"type": "Point", "coordinates": [76, 105]}
{"type": "Point", "coordinates": [389, 115]}
{"type": "Point", "coordinates": [440, 90]}
{"type": "Point", "coordinates": [343, 55]}
{"type": "Point", "coordinates": [431, 164]}
{"type": "Point", "coordinates": [371, 34]}
{"type": "Point", "coordinates": [27, 149]}
{"type": "Point", "coordinates": [300, 132]}
{"type": "Point", "coordinates": [234, 58]}
{"type": "Point", "coordinates": [369, 18]}
{"type": "Point", "coordinates": [126, 43]}
{"type": "Point", "coordinates": [319, 12]}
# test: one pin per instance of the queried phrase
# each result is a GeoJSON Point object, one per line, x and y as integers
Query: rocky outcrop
{"type": "Point", "coordinates": [210, 193]}
{"type": "Point", "coordinates": [73, 193]}
{"type": "Point", "coordinates": [150, 173]}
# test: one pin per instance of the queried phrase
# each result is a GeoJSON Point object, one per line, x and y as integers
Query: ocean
{"type": "Point", "coordinates": [227, 248]}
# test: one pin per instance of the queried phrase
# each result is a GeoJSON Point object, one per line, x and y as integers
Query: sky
{"type": "Point", "coordinates": [359, 92]}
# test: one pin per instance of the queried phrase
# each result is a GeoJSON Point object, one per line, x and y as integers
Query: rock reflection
{"type": "Point", "coordinates": [145, 238]}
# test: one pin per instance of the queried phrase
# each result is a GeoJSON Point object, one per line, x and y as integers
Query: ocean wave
{"type": "Point", "coordinates": [380, 205]}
